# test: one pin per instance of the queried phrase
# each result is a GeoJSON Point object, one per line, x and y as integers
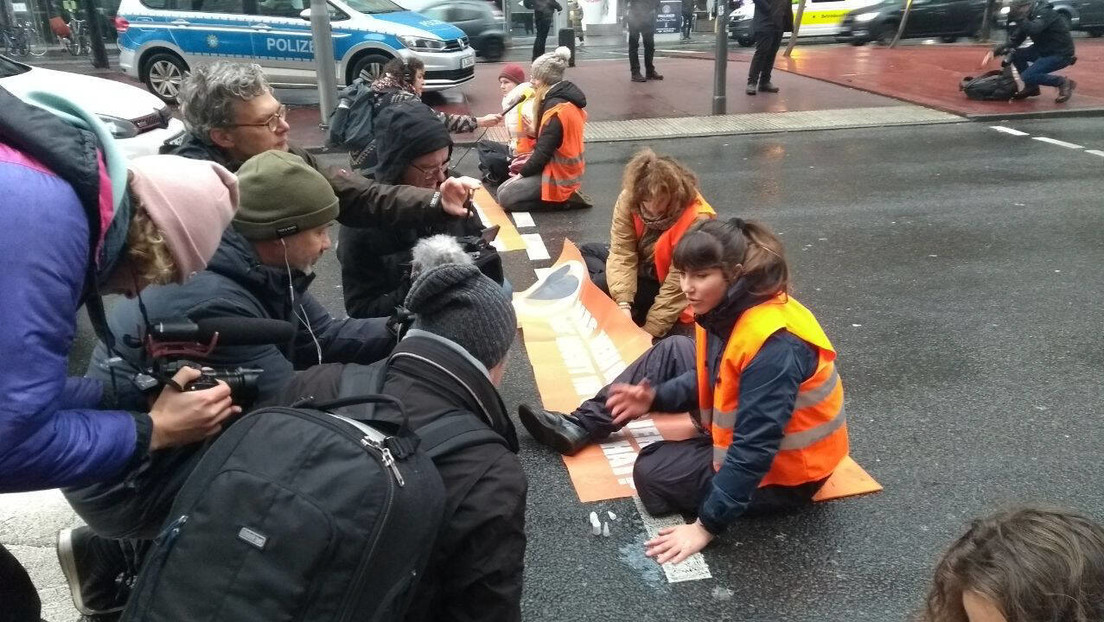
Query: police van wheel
{"type": "Point", "coordinates": [369, 67]}
{"type": "Point", "coordinates": [164, 73]}
{"type": "Point", "coordinates": [493, 49]}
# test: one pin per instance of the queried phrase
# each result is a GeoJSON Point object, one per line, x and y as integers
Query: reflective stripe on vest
{"type": "Point", "coordinates": [815, 438]}
{"type": "Point", "coordinates": [563, 174]}
{"type": "Point", "coordinates": [665, 245]}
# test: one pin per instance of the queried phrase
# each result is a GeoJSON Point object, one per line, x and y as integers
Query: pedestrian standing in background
{"type": "Point", "coordinates": [542, 16]}
{"type": "Point", "coordinates": [687, 19]}
{"type": "Point", "coordinates": [641, 18]}
{"type": "Point", "coordinates": [772, 19]}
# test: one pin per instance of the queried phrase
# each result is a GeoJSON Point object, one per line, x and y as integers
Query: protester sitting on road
{"type": "Point", "coordinates": [1051, 48]}
{"type": "Point", "coordinates": [515, 93]}
{"type": "Point", "coordinates": [403, 79]}
{"type": "Point", "coordinates": [448, 366]}
{"type": "Point", "coordinates": [759, 379]}
{"type": "Point", "coordinates": [262, 270]}
{"type": "Point", "coordinates": [659, 201]}
{"type": "Point", "coordinates": [553, 174]}
{"type": "Point", "coordinates": [231, 115]}
{"type": "Point", "coordinates": [1023, 565]}
{"type": "Point", "coordinates": [414, 149]}
{"type": "Point", "coordinates": [77, 224]}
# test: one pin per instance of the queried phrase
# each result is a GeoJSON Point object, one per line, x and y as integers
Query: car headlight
{"type": "Point", "coordinates": [120, 128]}
{"type": "Point", "coordinates": [866, 17]}
{"type": "Point", "coordinates": [1005, 10]}
{"type": "Point", "coordinates": [421, 44]}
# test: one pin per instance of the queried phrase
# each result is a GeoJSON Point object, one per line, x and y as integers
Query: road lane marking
{"type": "Point", "coordinates": [693, 568]}
{"type": "Point", "coordinates": [1008, 130]}
{"type": "Point", "coordinates": [1054, 141]}
{"type": "Point", "coordinates": [534, 247]}
{"type": "Point", "coordinates": [523, 220]}
{"type": "Point", "coordinates": [1095, 152]}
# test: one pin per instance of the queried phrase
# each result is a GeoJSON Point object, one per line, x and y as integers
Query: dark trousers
{"type": "Point", "coordinates": [667, 359]}
{"type": "Point", "coordinates": [675, 476]}
{"type": "Point", "coordinates": [595, 255]}
{"type": "Point", "coordinates": [1036, 70]}
{"type": "Point", "coordinates": [646, 32]}
{"type": "Point", "coordinates": [544, 24]}
{"type": "Point", "coordinates": [766, 49]}
{"type": "Point", "coordinates": [687, 22]}
{"type": "Point", "coordinates": [18, 598]}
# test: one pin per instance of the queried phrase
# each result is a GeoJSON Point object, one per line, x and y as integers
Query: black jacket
{"type": "Point", "coordinates": [550, 136]}
{"type": "Point", "coordinates": [776, 15]}
{"type": "Point", "coordinates": [476, 568]}
{"type": "Point", "coordinates": [1047, 29]}
{"type": "Point", "coordinates": [363, 202]}
{"type": "Point", "coordinates": [236, 284]}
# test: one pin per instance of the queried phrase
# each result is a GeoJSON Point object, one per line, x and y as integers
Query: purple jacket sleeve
{"type": "Point", "coordinates": [50, 433]}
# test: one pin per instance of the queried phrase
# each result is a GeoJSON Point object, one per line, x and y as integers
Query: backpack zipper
{"type": "Point", "coordinates": [375, 439]}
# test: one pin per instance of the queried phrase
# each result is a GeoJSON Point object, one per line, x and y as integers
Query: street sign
{"type": "Point", "coordinates": [668, 14]}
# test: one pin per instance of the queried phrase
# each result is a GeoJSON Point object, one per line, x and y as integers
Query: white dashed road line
{"type": "Point", "coordinates": [1008, 130]}
{"type": "Point", "coordinates": [693, 568]}
{"type": "Point", "coordinates": [534, 247]}
{"type": "Point", "coordinates": [1095, 152]}
{"type": "Point", "coordinates": [523, 220]}
{"type": "Point", "coordinates": [1054, 141]}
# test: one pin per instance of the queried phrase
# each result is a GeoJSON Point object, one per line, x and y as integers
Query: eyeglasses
{"type": "Point", "coordinates": [433, 174]}
{"type": "Point", "coordinates": [272, 123]}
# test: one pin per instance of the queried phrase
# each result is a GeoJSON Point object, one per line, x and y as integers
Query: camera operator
{"type": "Point", "coordinates": [1051, 48]}
{"type": "Point", "coordinates": [75, 224]}
{"type": "Point", "coordinates": [262, 270]}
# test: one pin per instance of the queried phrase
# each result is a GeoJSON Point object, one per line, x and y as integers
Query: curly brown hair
{"type": "Point", "coordinates": [1034, 564]}
{"type": "Point", "coordinates": [146, 248]}
{"type": "Point", "coordinates": [649, 176]}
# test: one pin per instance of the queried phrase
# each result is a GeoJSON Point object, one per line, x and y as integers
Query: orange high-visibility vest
{"type": "Point", "coordinates": [815, 439]}
{"type": "Point", "coordinates": [563, 174]}
{"type": "Point", "coordinates": [669, 239]}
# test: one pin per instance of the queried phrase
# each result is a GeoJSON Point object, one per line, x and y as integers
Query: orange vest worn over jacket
{"type": "Point", "coordinates": [815, 438]}
{"type": "Point", "coordinates": [669, 239]}
{"type": "Point", "coordinates": [563, 174]}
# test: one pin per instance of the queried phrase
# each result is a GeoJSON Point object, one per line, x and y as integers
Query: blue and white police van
{"type": "Point", "coordinates": [160, 40]}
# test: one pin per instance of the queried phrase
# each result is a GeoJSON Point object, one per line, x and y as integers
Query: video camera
{"type": "Point", "coordinates": [171, 345]}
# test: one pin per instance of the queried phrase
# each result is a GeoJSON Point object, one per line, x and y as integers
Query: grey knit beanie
{"type": "Point", "coordinates": [458, 302]}
{"type": "Point", "coordinates": [549, 68]}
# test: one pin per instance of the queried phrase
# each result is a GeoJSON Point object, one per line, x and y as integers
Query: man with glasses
{"type": "Point", "coordinates": [232, 115]}
{"type": "Point", "coordinates": [414, 149]}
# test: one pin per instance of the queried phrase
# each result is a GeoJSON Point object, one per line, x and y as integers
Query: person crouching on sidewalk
{"type": "Point", "coordinates": [1051, 48]}
{"type": "Point", "coordinates": [659, 201]}
{"type": "Point", "coordinates": [759, 378]}
{"type": "Point", "coordinates": [553, 174]}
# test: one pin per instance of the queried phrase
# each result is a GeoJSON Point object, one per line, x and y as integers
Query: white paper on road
{"type": "Point", "coordinates": [692, 568]}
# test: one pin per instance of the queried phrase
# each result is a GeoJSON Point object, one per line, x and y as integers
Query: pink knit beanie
{"type": "Point", "coordinates": [190, 201]}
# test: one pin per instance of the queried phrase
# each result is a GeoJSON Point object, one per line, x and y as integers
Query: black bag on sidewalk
{"type": "Point", "coordinates": [567, 39]}
{"type": "Point", "coordinates": [995, 85]}
{"type": "Point", "coordinates": [494, 161]}
{"type": "Point", "coordinates": [297, 513]}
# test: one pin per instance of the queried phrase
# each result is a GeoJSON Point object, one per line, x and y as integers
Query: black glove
{"type": "Point", "coordinates": [1001, 50]}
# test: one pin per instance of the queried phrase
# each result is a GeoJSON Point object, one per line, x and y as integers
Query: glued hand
{"type": "Point", "coordinates": [674, 544]}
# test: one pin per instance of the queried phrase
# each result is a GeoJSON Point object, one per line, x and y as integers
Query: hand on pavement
{"type": "Point", "coordinates": [674, 544]}
{"type": "Point", "coordinates": [184, 417]}
{"type": "Point", "coordinates": [630, 401]}
{"type": "Point", "coordinates": [455, 192]}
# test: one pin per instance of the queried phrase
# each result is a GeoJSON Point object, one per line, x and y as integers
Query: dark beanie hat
{"type": "Point", "coordinates": [459, 303]}
{"type": "Point", "coordinates": [282, 195]}
{"type": "Point", "coordinates": [405, 131]}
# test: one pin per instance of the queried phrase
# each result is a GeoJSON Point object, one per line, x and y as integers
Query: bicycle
{"type": "Point", "coordinates": [23, 40]}
{"type": "Point", "coordinates": [77, 42]}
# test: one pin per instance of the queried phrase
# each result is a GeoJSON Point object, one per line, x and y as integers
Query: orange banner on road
{"type": "Point", "coordinates": [508, 237]}
{"type": "Point", "coordinates": [578, 341]}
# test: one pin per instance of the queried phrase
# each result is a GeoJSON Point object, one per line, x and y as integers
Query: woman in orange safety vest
{"type": "Point", "coordinates": [659, 201]}
{"type": "Point", "coordinates": [761, 376]}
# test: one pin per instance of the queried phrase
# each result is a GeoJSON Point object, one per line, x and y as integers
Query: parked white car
{"type": "Point", "coordinates": [140, 121]}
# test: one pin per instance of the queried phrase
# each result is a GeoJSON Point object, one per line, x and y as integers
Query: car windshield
{"type": "Point", "coordinates": [373, 7]}
{"type": "Point", "coordinates": [9, 68]}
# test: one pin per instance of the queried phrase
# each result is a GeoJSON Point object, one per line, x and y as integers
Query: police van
{"type": "Point", "coordinates": [160, 40]}
{"type": "Point", "coordinates": [822, 18]}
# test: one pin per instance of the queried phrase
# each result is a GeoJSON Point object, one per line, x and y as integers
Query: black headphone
{"type": "Point", "coordinates": [407, 71]}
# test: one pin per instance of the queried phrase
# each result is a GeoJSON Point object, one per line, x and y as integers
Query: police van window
{"type": "Point", "coordinates": [374, 6]}
{"type": "Point", "coordinates": [159, 4]}
{"type": "Point", "coordinates": [281, 8]}
{"type": "Point", "coordinates": [436, 12]}
{"type": "Point", "coordinates": [219, 6]}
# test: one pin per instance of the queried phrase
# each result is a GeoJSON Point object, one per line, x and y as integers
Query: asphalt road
{"type": "Point", "coordinates": [957, 271]}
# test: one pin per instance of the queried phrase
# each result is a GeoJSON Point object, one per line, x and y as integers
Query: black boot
{"type": "Point", "coordinates": [767, 87]}
{"type": "Point", "coordinates": [654, 75]}
{"type": "Point", "coordinates": [638, 78]}
{"type": "Point", "coordinates": [1065, 91]}
{"type": "Point", "coordinates": [96, 570]}
{"type": "Point", "coordinates": [556, 430]}
{"type": "Point", "coordinates": [751, 90]}
{"type": "Point", "coordinates": [1027, 91]}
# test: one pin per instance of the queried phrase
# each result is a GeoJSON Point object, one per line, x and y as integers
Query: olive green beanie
{"type": "Point", "coordinates": [282, 195]}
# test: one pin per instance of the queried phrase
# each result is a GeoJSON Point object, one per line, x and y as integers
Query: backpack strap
{"type": "Point", "coordinates": [455, 430]}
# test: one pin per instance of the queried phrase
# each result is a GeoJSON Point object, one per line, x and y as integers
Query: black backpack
{"type": "Point", "coordinates": [296, 513]}
{"type": "Point", "coordinates": [995, 85]}
{"type": "Point", "coordinates": [352, 122]}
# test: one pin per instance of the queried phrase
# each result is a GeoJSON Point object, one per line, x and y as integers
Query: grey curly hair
{"type": "Point", "coordinates": [208, 94]}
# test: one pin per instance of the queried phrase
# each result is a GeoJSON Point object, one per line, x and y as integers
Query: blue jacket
{"type": "Point", "coordinates": [768, 392]}
{"type": "Point", "coordinates": [236, 284]}
{"type": "Point", "coordinates": [55, 199]}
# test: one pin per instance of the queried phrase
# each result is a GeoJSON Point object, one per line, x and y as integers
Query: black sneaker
{"type": "Point", "coordinates": [638, 78]}
{"type": "Point", "coordinates": [751, 89]}
{"type": "Point", "coordinates": [652, 75]}
{"type": "Point", "coordinates": [767, 87]}
{"type": "Point", "coordinates": [1024, 93]}
{"type": "Point", "coordinates": [1065, 91]}
{"type": "Point", "coordinates": [95, 569]}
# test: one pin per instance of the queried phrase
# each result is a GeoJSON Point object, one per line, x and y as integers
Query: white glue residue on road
{"type": "Point", "coordinates": [693, 568]}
